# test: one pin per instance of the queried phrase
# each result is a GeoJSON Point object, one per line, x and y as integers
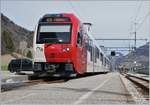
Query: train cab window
{"type": "Point", "coordinates": [54, 34]}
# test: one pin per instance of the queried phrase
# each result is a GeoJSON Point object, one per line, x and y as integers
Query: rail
{"type": "Point", "coordinates": [11, 86]}
{"type": "Point", "coordinates": [141, 82]}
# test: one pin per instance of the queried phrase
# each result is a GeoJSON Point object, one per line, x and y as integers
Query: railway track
{"type": "Point", "coordinates": [12, 86]}
{"type": "Point", "coordinates": [141, 84]}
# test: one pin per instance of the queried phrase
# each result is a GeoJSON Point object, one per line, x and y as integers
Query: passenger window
{"type": "Point", "coordinates": [95, 59]}
{"type": "Point", "coordinates": [91, 52]}
{"type": "Point", "coordinates": [91, 49]}
{"type": "Point", "coordinates": [79, 38]}
{"type": "Point", "coordinates": [101, 58]}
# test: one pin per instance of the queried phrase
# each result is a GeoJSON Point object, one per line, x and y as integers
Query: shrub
{"type": "Point", "coordinates": [29, 54]}
{"type": "Point", "coordinates": [8, 41]}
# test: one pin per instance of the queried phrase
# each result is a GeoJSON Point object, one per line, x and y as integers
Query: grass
{"type": "Point", "coordinates": [4, 67]}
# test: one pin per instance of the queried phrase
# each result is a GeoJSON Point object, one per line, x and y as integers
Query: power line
{"type": "Point", "coordinates": [141, 23]}
{"type": "Point", "coordinates": [74, 9]}
{"type": "Point", "coordinates": [119, 39]}
{"type": "Point", "coordinates": [138, 10]}
{"type": "Point", "coordinates": [117, 47]}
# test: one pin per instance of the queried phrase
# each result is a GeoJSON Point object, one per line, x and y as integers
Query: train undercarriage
{"type": "Point", "coordinates": [43, 69]}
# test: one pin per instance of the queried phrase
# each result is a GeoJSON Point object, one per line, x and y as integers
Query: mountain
{"type": "Point", "coordinates": [12, 35]}
{"type": "Point", "coordinates": [139, 57]}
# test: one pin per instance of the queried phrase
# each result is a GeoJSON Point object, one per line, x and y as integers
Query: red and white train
{"type": "Point", "coordinates": [63, 46]}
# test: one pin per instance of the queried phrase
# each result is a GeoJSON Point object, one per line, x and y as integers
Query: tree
{"type": "Point", "coordinates": [8, 41]}
{"type": "Point", "coordinates": [29, 54]}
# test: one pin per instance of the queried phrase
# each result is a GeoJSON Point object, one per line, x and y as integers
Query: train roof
{"type": "Point", "coordinates": [58, 15]}
{"type": "Point", "coordinates": [91, 37]}
{"type": "Point", "coordinates": [68, 17]}
{"type": "Point", "coordinates": [96, 44]}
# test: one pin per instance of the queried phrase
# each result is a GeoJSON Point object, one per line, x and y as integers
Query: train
{"type": "Point", "coordinates": [64, 47]}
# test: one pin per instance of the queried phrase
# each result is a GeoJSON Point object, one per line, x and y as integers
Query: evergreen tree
{"type": "Point", "coordinates": [8, 41]}
{"type": "Point", "coordinates": [29, 54]}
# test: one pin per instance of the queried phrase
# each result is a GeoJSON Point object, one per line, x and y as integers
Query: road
{"type": "Point", "coordinates": [99, 89]}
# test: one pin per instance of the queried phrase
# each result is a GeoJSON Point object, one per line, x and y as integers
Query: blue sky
{"type": "Point", "coordinates": [111, 19]}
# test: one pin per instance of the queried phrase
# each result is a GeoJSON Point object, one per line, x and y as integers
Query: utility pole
{"type": "Point", "coordinates": [135, 36]}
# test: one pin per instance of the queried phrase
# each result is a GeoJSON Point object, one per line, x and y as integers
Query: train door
{"type": "Point", "coordinates": [80, 55]}
{"type": "Point", "coordinates": [90, 56]}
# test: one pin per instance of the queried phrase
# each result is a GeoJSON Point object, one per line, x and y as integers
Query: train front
{"type": "Point", "coordinates": [53, 45]}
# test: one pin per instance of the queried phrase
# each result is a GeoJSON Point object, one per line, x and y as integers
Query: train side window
{"type": "Point", "coordinates": [105, 62]}
{"type": "Point", "coordinates": [87, 44]}
{"type": "Point", "coordinates": [101, 57]}
{"type": "Point", "coordinates": [95, 56]}
{"type": "Point", "coordinates": [97, 53]}
{"type": "Point", "coordinates": [91, 52]}
{"type": "Point", "coordinates": [91, 48]}
{"type": "Point", "coordinates": [79, 38]}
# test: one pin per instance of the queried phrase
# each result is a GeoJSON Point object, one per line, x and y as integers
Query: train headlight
{"type": "Point", "coordinates": [66, 49]}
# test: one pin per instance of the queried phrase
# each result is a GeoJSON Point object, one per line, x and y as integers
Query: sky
{"type": "Point", "coordinates": [110, 19]}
